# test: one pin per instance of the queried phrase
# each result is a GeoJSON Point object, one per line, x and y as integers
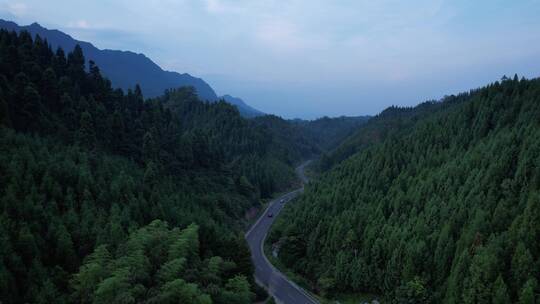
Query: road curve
{"type": "Point", "coordinates": [282, 289]}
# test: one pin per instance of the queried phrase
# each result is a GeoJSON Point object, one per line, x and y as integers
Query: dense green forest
{"type": "Point", "coordinates": [83, 167]}
{"type": "Point", "coordinates": [327, 133]}
{"type": "Point", "coordinates": [368, 132]}
{"type": "Point", "coordinates": [59, 203]}
{"type": "Point", "coordinates": [442, 206]}
{"type": "Point", "coordinates": [264, 149]}
{"type": "Point", "coordinates": [107, 197]}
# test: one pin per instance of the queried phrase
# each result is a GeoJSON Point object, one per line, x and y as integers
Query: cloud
{"type": "Point", "coordinates": [17, 9]}
{"type": "Point", "coordinates": [391, 51]}
{"type": "Point", "coordinates": [280, 35]}
{"type": "Point", "coordinates": [221, 7]}
{"type": "Point", "coordinates": [214, 6]}
{"type": "Point", "coordinates": [80, 24]}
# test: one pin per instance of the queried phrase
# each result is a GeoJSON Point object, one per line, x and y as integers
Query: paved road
{"type": "Point", "coordinates": [283, 290]}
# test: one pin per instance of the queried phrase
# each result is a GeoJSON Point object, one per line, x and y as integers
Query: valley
{"type": "Point", "coordinates": [109, 197]}
{"type": "Point", "coordinates": [278, 285]}
{"type": "Point", "coordinates": [124, 182]}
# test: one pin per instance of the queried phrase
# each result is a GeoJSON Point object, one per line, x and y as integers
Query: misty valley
{"type": "Point", "coordinates": [122, 182]}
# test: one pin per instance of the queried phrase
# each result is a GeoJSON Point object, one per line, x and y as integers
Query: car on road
{"type": "Point", "coordinates": [270, 214]}
{"type": "Point", "coordinates": [282, 201]}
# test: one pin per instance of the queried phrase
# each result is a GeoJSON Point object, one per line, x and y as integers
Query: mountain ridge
{"type": "Point", "coordinates": [245, 109]}
{"type": "Point", "coordinates": [126, 68]}
{"type": "Point", "coordinates": [440, 206]}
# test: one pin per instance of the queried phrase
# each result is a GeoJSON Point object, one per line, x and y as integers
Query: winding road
{"type": "Point", "coordinates": [282, 289]}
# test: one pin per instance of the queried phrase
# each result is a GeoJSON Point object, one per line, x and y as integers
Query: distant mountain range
{"type": "Point", "coordinates": [125, 69]}
{"type": "Point", "coordinates": [244, 109]}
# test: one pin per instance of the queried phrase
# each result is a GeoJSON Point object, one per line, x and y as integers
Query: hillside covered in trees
{"type": "Point", "coordinates": [442, 206]}
{"type": "Point", "coordinates": [327, 133]}
{"type": "Point", "coordinates": [373, 130]}
{"type": "Point", "coordinates": [124, 69]}
{"type": "Point", "coordinates": [106, 197]}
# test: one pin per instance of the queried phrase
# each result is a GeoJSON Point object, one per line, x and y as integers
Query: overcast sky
{"type": "Point", "coordinates": [309, 58]}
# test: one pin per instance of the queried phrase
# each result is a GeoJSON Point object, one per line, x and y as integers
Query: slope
{"type": "Point", "coordinates": [377, 128]}
{"type": "Point", "coordinates": [244, 109]}
{"type": "Point", "coordinates": [125, 69]}
{"type": "Point", "coordinates": [107, 197]}
{"type": "Point", "coordinates": [328, 132]}
{"type": "Point", "coordinates": [443, 211]}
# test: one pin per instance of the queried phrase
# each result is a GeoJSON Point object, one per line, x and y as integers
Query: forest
{"type": "Point", "coordinates": [108, 197]}
{"type": "Point", "coordinates": [327, 133]}
{"type": "Point", "coordinates": [85, 168]}
{"type": "Point", "coordinates": [434, 204]}
{"type": "Point", "coordinates": [388, 122]}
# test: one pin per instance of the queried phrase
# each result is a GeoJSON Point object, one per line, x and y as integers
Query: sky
{"type": "Point", "coordinates": [310, 58]}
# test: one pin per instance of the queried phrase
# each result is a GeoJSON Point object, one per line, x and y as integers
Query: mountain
{"type": "Point", "coordinates": [386, 123]}
{"type": "Point", "coordinates": [441, 206]}
{"type": "Point", "coordinates": [244, 109]}
{"type": "Point", "coordinates": [125, 69]}
{"type": "Point", "coordinates": [106, 197]}
{"type": "Point", "coordinates": [329, 132]}
{"type": "Point", "coordinates": [308, 138]}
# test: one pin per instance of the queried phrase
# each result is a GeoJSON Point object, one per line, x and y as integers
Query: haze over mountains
{"type": "Point", "coordinates": [115, 197]}
{"type": "Point", "coordinates": [125, 69]}
{"type": "Point", "coordinates": [245, 110]}
{"type": "Point", "coordinates": [91, 174]}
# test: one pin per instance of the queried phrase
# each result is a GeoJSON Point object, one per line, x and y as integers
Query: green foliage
{"type": "Point", "coordinates": [43, 94]}
{"type": "Point", "coordinates": [411, 292]}
{"type": "Point", "coordinates": [437, 204]}
{"type": "Point", "coordinates": [79, 203]}
{"type": "Point", "coordinates": [84, 166]}
{"type": "Point", "coordinates": [4, 114]}
{"type": "Point", "coordinates": [500, 292]}
{"type": "Point", "coordinates": [328, 132]}
{"type": "Point", "coordinates": [158, 265]}
{"type": "Point", "coordinates": [528, 292]}
{"type": "Point", "coordinates": [374, 130]}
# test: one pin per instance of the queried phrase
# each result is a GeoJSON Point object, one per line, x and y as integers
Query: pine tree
{"type": "Point", "coordinates": [49, 87]}
{"type": "Point", "coordinates": [521, 265]}
{"type": "Point", "coordinates": [242, 257]}
{"type": "Point", "coordinates": [527, 294]}
{"type": "Point", "coordinates": [500, 292]}
{"type": "Point", "coordinates": [86, 136]}
{"type": "Point", "coordinates": [150, 147]}
{"type": "Point", "coordinates": [75, 63]}
{"type": "Point", "coordinates": [4, 113]}
{"type": "Point", "coordinates": [31, 108]}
